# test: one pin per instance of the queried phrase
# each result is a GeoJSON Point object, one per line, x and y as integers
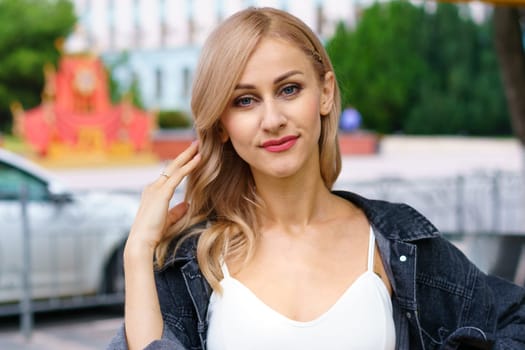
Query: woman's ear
{"type": "Point", "coordinates": [327, 93]}
{"type": "Point", "coordinates": [223, 135]}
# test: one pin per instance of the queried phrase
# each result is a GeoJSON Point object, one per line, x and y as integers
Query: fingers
{"type": "Point", "coordinates": [181, 166]}
{"type": "Point", "coordinates": [154, 215]}
{"type": "Point", "coordinates": [175, 213]}
{"type": "Point", "coordinates": [179, 173]}
{"type": "Point", "coordinates": [182, 159]}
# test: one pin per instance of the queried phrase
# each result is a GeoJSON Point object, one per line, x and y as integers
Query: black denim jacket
{"type": "Point", "coordinates": [440, 299]}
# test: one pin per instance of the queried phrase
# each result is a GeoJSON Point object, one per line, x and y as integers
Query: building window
{"type": "Point", "coordinates": [163, 34]}
{"type": "Point", "coordinates": [191, 30]}
{"type": "Point", "coordinates": [111, 21]}
{"type": "Point", "coordinates": [319, 19]}
{"type": "Point", "coordinates": [158, 84]}
{"type": "Point", "coordinates": [137, 29]}
{"type": "Point", "coordinates": [186, 82]}
{"type": "Point", "coordinates": [162, 23]}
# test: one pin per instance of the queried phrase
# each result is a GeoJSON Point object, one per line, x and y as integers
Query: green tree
{"type": "Point", "coordinates": [462, 92]}
{"type": "Point", "coordinates": [422, 72]}
{"type": "Point", "coordinates": [377, 64]}
{"type": "Point", "coordinates": [29, 30]}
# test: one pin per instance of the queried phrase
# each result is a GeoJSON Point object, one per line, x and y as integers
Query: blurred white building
{"type": "Point", "coordinates": [162, 38]}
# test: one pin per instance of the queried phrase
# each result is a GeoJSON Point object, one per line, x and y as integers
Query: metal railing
{"type": "Point", "coordinates": [478, 203]}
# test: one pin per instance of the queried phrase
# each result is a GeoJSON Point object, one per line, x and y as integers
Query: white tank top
{"type": "Point", "coordinates": [360, 319]}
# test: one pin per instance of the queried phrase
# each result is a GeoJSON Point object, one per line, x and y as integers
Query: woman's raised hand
{"type": "Point", "coordinates": [143, 319]}
{"type": "Point", "coordinates": [154, 216]}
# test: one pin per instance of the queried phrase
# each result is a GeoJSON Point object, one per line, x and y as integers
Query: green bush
{"type": "Point", "coordinates": [173, 119]}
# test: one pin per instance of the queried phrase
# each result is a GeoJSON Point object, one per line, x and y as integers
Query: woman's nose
{"type": "Point", "coordinates": [272, 119]}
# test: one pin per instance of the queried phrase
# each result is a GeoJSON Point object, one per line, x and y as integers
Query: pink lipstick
{"type": "Point", "coordinates": [280, 145]}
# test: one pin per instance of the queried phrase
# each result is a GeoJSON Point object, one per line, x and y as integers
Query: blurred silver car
{"type": "Point", "coordinates": [76, 239]}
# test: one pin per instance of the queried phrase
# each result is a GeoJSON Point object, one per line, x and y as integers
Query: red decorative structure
{"type": "Point", "coordinates": [76, 114]}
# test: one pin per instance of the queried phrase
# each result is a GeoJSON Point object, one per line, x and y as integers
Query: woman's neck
{"type": "Point", "coordinates": [292, 203]}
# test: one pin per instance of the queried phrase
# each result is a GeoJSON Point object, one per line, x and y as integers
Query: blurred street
{"type": "Point", "coordinates": [85, 329]}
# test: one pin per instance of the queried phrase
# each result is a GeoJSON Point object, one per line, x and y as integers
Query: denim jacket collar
{"type": "Point", "coordinates": [409, 225]}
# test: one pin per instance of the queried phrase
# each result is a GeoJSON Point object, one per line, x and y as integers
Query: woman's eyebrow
{"type": "Point", "coordinates": [286, 75]}
{"type": "Point", "coordinates": [276, 80]}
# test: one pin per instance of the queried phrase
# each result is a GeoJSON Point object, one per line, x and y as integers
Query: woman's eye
{"type": "Point", "coordinates": [243, 101]}
{"type": "Point", "coordinates": [289, 90]}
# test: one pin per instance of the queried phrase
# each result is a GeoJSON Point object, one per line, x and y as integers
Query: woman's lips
{"type": "Point", "coordinates": [280, 145]}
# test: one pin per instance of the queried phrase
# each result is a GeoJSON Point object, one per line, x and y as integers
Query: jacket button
{"type": "Point", "coordinates": [402, 258]}
{"type": "Point", "coordinates": [409, 315]}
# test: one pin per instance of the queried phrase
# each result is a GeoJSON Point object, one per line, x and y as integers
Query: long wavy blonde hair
{"type": "Point", "coordinates": [221, 189]}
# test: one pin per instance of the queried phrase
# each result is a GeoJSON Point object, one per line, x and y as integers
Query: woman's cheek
{"type": "Point", "coordinates": [240, 127]}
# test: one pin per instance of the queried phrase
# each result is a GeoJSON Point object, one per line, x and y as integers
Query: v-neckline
{"type": "Point", "coordinates": [318, 318]}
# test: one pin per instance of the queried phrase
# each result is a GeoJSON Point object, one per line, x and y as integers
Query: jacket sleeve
{"type": "Point", "coordinates": [509, 307]}
{"type": "Point", "coordinates": [461, 307]}
{"type": "Point", "coordinates": [508, 320]}
{"type": "Point", "coordinates": [167, 342]}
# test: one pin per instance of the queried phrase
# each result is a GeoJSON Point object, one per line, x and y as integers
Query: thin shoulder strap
{"type": "Point", "coordinates": [371, 250]}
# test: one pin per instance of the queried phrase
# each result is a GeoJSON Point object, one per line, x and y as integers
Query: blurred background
{"type": "Point", "coordinates": [95, 98]}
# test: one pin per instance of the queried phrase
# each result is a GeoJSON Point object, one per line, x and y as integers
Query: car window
{"type": "Point", "coordinates": [12, 181]}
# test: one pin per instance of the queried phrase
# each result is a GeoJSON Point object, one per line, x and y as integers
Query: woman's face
{"type": "Point", "coordinates": [274, 117]}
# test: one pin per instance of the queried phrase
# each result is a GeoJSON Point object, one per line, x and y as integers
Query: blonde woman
{"type": "Point", "coordinates": [263, 254]}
